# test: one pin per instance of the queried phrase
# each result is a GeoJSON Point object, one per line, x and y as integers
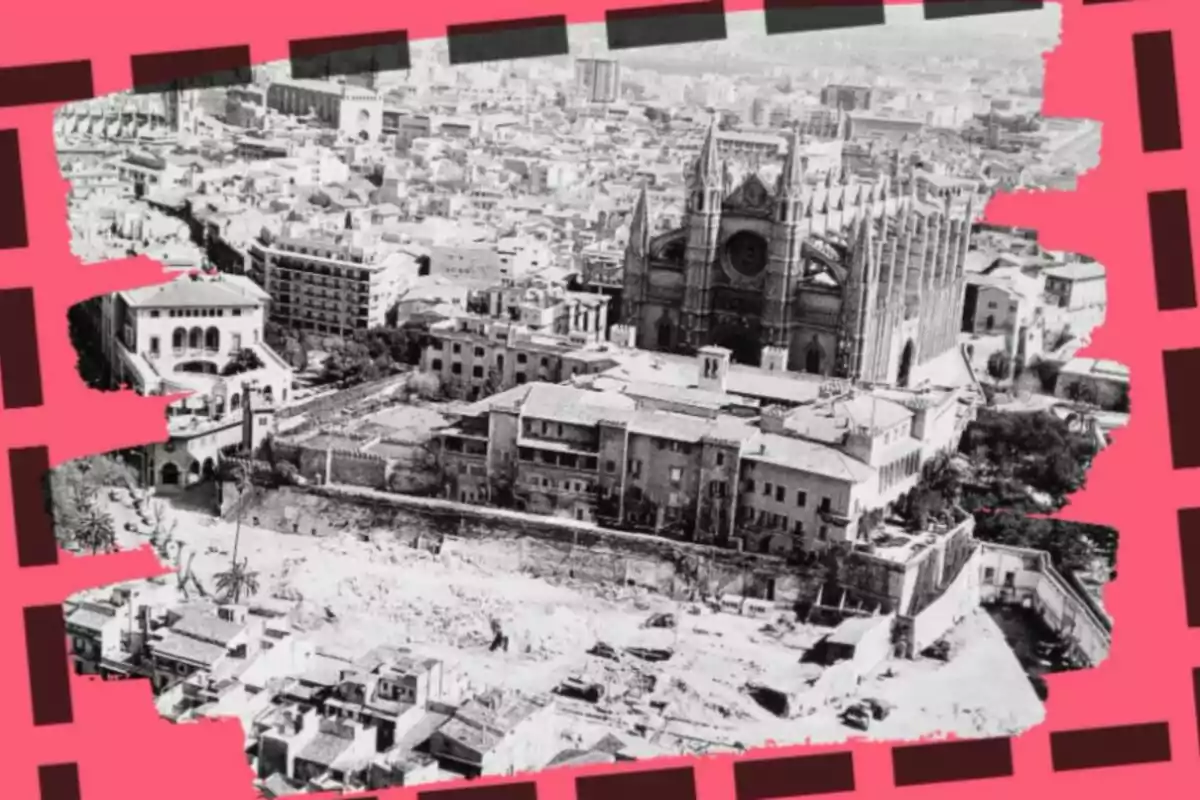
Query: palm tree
{"type": "Point", "coordinates": [94, 529]}
{"type": "Point", "coordinates": [242, 476]}
{"type": "Point", "coordinates": [237, 580]}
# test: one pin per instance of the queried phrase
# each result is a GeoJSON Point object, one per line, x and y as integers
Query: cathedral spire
{"type": "Point", "coordinates": [639, 225]}
{"type": "Point", "coordinates": [708, 165]}
{"type": "Point", "coordinates": [860, 299]}
{"type": "Point", "coordinates": [791, 179]}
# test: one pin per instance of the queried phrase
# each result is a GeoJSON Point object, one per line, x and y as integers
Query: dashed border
{"type": "Point", "coordinates": [754, 778]}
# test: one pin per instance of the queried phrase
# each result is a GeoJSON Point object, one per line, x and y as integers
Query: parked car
{"type": "Point", "coordinates": [879, 709]}
{"type": "Point", "coordinates": [857, 717]}
{"type": "Point", "coordinates": [939, 650]}
{"type": "Point", "coordinates": [581, 690]}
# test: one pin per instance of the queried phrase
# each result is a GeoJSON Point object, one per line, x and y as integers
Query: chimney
{"type": "Point", "coordinates": [714, 368]}
{"type": "Point", "coordinates": [774, 359]}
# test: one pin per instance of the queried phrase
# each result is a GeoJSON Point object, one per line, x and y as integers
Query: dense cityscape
{"type": "Point", "coordinates": [585, 410]}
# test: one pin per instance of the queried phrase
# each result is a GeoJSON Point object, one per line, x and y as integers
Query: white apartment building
{"type": "Point", "coordinates": [327, 282]}
{"type": "Point", "coordinates": [200, 335]}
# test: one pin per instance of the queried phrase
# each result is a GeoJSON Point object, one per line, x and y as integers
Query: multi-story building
{"type": "Point", "coordinates": [329, 282]}
{"type": "Point", "coordinates": [1079, 292]}
{"type": "Point", "coordinates": [527, 335]}
{"type": "Point", "coordinates": [503, 262]}
{"type": "Point", "coordinates": [355, 111]}
{"type": "Point", "coordinates": [847, 98]}
{"type": "Point", "coordinates": [202, 335]}
{"type": "Point", "coordinates": [709, 461]}
{"type": "Point", "coordinates": [598, 80]}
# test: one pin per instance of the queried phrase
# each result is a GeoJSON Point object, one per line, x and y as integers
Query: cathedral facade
{"type": "Point", "coordinates": [862, 281]}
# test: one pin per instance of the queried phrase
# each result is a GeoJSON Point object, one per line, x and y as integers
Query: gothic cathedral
{"type": "Point", "coordinates": [862, 281]}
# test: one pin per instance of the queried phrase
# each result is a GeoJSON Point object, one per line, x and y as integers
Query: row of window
{"type": "Point", "coordinates": [770, 520]}
{"type": "Point", "coordinates": [569, 485]}
{"type": "Point", "coordinates": [779, 493]}
{"type": "Point", "coordinates": [567, 460]}
{"type": "Point", "coordinates": [197, 312]}
{"type": "Point", "coordinates": [899, 470]}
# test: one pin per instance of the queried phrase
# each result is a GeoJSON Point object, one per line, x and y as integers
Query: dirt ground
{"type": "Point", "coordinates": [380, 591]}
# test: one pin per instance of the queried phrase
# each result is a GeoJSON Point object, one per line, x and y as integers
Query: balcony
{"type": "Point", "coordinates": [834, 517]}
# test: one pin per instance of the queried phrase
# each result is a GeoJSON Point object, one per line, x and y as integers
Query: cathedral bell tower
{"type": "Point", "coordinates": [637, 259]}
{"type": "Point", "coordinates": [705, 195]}
{"type": "Point", "coordinates": [784, 256]}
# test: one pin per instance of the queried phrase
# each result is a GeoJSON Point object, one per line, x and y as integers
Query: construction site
{"type": "Point", "coordinates": [683, 651]}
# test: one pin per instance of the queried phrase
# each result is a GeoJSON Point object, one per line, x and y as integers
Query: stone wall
{"type": "Point", "coordinates": [539, 545]}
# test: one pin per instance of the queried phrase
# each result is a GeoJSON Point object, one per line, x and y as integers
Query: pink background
{"type": "Point", "coordinates": [125, 751]}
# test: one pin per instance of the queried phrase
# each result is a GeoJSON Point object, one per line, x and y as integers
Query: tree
{"type": "Point", "coordinates": [95, 531]}
{"type": "Point", "coordinates": [999, 365]}
{"type": "Point", "coordinates": [1121, 405]}
{"type": "Point", "coordinates": [75, 485]}
{"type": "Point", "coordinates": [245, 360]}
{"type": "Point", "coordinates": [242, 477]}
{"type": "Point", "coordinates": [1035, 448]}
{"type": "Point", "coordinates": [237, 581]}
{"type": "Point", "coordinates": [1068, 543]}
{"type": "Point", "coordinates": [1047, 374]}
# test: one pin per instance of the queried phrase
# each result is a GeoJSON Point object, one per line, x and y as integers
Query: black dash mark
{"type": "Point", "coordinates": [35, 84]}
{"type": "Point", "coordinates": [1171, 250]}
{"type": "Point", "coordinates": [20, 365]}
{"type": "Point", "coordinates": [650, 26]}
{"type": "Point", "coordinates": [1118, 746]}
{"type": "Point", "coordinates": [769, 778]}
{"type": "Point", "coordinates": [29, 476]}
{"type": "Point", "coordinates": [798, 16]}
{"type": "Point", "coordinates": [1181, 380]}
{"type": "Point", "coordinates": [948, 9]}
{"type": "Point", "coordinates": [661, 784]}
{"type": "Point", "coordinates": [58, 781]}
{"type": "Point", "coordinates": [1189, 555]}
{"type": "Point", "coordinates": [505, 791]}
{"type": "Point", "coordinates": [1157, 91]}
{"type": "Point", "coordinates": [49, 677]}
{"type": "Point", "coordinates": [184, 70]}
{"type": "Point", "coordinates": [533, 37]}
{"type": "Point", "coordinates": [367, 53]}
{"type": "Point", "coordinates": [14, 233]}
{"type": "Point", "coordinates": [945, 762]}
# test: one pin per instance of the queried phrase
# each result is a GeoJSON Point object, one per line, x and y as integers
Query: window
{"type": "Point", "coordinates": [610, 466]}
{"type": "Point", "coordinates": [521, 358]}
{"type": "Point", "coordinates": [749, 484]}
{"type": "Point", "coordinates": [456, 369]}
{"type": "Point", "coordinates": [479, 352]}
{"type": "Point", "coordinates": [520, 378]}
{"type": "Point", "coordinates": [989, 574]}
{"type": "Point", "coordinates": [457, 348]}
{"type": "Point", "coordinates": [477, 372]}
{"type": "Point", "coordinates": [436, 365]}
{"type": "Point", "coordinates": [823, 533]}
{"type": "Point", "coordinates": [236, 342]}
{"type": "Point", "coordinates": [676, 475]}
{"type": "Point", "coordinates": [154, 345]}
{"type": "Point", "coordinates": [801, 499]}
{"type": "Point", "coordinates": [720, 459]}
{"type": "Point", "coordinates": [826, 504]}
{"type": "Point", "coordinates": [154, 314]}
{"type": "Point", "coordinates": [779, 494]}
{"type": "Point", "coordinates": [635, 468]}
{"type": "Point", "coordinates": [767, 488]}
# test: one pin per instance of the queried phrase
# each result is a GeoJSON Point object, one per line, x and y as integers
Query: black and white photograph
{"type": "Point", "coordinates": [620, 405]}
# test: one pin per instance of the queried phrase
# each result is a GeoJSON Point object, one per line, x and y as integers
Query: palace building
{"type": "Point", "coordinates": [845, 279]}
